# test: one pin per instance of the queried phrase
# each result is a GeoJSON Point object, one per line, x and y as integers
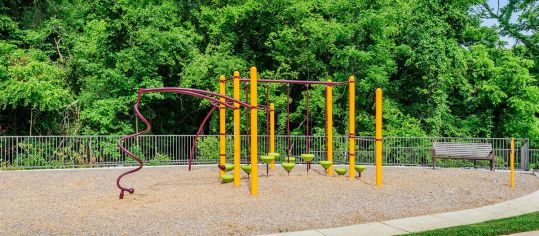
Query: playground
{"type": "Point", "coordinates": [269, 156]}
{"type": "Point", "coordinates": [269, 118]}
{"type": "Point", "coordinates": [172, 200]}
{"type": "Point", "coordinates": [259, 187]}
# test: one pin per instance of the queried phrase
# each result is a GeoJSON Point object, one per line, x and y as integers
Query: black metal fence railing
{"type": "Point", "coordinates": [33, 152]}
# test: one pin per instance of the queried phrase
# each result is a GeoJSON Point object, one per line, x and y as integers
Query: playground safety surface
{"type": "Point", "coordinates": [173, 201]}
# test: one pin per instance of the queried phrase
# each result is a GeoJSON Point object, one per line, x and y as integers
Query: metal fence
{"type": "Point", "coordinates": [534, 159]}
{"type": "Point", "coordinates": [18, 152]}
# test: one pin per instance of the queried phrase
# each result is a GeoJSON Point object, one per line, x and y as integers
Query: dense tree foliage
{"type": "Point", "coordinates": [73, 67]}
{"type": "Point", "coordinates": [518, 19]}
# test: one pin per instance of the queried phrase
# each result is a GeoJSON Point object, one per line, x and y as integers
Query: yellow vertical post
{"type": "Point", "coordinates": [272, 133]}
{"type": "Point", "coordinates": [352, 126]}
{"type": "Point", "coordinates": [254, 133]}
{"type": "Point", "coordinates": [236, 129]}
{"type": "Point", "coordinates": [329, 125]}
{"type": "Point", "coordinates": [222, 131]}
{"type": "Point", "coordinates": [378, 137]}
{"type": "Point", "coordinates": [512, 164]}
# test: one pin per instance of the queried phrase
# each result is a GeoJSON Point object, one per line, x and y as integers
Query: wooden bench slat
{"type": "Point", "coordinates": [465, 151]}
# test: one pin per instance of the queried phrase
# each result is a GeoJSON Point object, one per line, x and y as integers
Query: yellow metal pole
{"type": "Point", "coordinates": [236, 129]}
{"type": "Point", "coordinates": [222, 131]}
{"type": "Point", "coordinates": [329, 110]}
{"type": "Point", "coordinates": [378, 137]}
{"type": "Point", "coordinates": [512, 163]}
{"type": "Point", "coordinates": [352, 126]}
{"type": "Point", "coordinates": [272, 133]}
{"type": "Point", "coordinates": [254, 133]}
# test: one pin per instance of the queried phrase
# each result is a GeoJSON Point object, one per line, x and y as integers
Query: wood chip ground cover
{"type": "Point", "coordinates": [174, 201]}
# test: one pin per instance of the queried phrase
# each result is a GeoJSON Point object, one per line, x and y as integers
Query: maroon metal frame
{"type": "Point", "coordinates": [247, 126]}
{"type": "Point", "coordinates": [288, 121]}
{"type": "Point", "coordinates": [187, 91]}
{"type": "Point", "coordinates": [288, 82]}
{"type": "Point", "coordinates": [192, 152]}
{"type": "Point", "coordinates": [307, 143]}
{"type": "Point", "coordinates": [214, 99]}
{"type": "Point", "coordinates": [326, 123]}
{"type": "Point", "coordinates": [267, 119]}
{"type": "Point", "coordinates": [294, 81]}
{"type": "Point", "coordinates": [199, 131]}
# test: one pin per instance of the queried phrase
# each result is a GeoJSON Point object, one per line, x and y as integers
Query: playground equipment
{"type": "Point", "coordinates": [226, 167]}
{"type": "Point", "coordinates": [307, 158]}
{"type": "Point", "coordinates": [341, 171]}
{"type": "Point", "coordinates": [326, 165]}
{"type": "Point", "coordinates": [378, 147]}
{"type": "Point", "coordinates": [226, 178]}
{"type": "Point", "coordinates": [288, 166]}
{"type": "Point", "coordinates": [359, 169]}
{"type": "Point", "coordinates": [267, 160]}
{"type": "Point", "coordinates": [246, 169]}
{"type": "Point", "coordinates": [221, 101]}
{"type": "Point", "coordinates": [211, 96]}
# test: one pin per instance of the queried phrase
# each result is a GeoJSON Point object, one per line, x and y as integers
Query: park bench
{"type": "Point", "coordinates": [463, 151]}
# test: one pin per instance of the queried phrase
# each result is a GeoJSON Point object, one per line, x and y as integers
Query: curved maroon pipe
{"type": "Point", "coordinates": [203, 93]}
{"type": "Point", "coordinates": [187, 91]}
{"type": "Point", "coordinates": [192, 151]}
{"type": "Point", "coordinates": [214, 107]}
{"type": "Point", "coordinates": [120, 145]}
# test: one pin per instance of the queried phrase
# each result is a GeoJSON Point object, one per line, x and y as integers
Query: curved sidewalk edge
{"type": "Point", "coordinates": [522, 205]}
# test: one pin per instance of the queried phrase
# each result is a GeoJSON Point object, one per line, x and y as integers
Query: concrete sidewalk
{"type": "Point", "coordinates": [519, 206]}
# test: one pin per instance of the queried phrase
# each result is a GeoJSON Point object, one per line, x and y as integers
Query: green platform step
{"type": "Point", "coordinates": [267, 159]}
{"type": "Point", "coordinates": [274, 154]}
{"type": "Point", "coordinates": [292, 159]}
{"type": "Point", "coordinates": [326, 164]}
{"type": "Point", "coordinates": [341, 171]}
{"type": "Point", "coordinates": [227, 178]}
{"type": "Point", "coordinates": [307, 157]}
{"type": "Point", "coordinates": [247, 169]}
{"type": "Point", "coordinates": [229, 167]}
{"type": "Point", "coordinates": [288, 166]}
{"type": "Point", "coordinates": [359, 169]}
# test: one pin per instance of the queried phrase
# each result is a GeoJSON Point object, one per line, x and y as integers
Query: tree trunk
{"type": "Point", "coordinates": [31, 120]}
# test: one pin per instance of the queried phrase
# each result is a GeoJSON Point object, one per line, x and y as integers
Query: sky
{"type": "Point", "coordinates": [490, 22]}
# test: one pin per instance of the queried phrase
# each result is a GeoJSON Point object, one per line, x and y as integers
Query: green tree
{"type": "Point", "coordinates": [442, 72]}
{"type": "Point", "coordinates": [32, 84]}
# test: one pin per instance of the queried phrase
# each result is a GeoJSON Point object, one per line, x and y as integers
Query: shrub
{"type": "Point", "coordinates": [160, 159]}
{"type": "Point", "coordinates": [207, 149]}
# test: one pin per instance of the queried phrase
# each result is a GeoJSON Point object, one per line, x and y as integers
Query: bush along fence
{"type": "Point", "coordinates": [35, 152]}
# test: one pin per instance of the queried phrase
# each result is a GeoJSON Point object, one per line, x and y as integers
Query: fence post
{"type": "Point", "coordinates": [525, 154]}
{"type": "Point", "coordinates": [512, 164]}
{"type": "Point", "coordinates": [17, 150]}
